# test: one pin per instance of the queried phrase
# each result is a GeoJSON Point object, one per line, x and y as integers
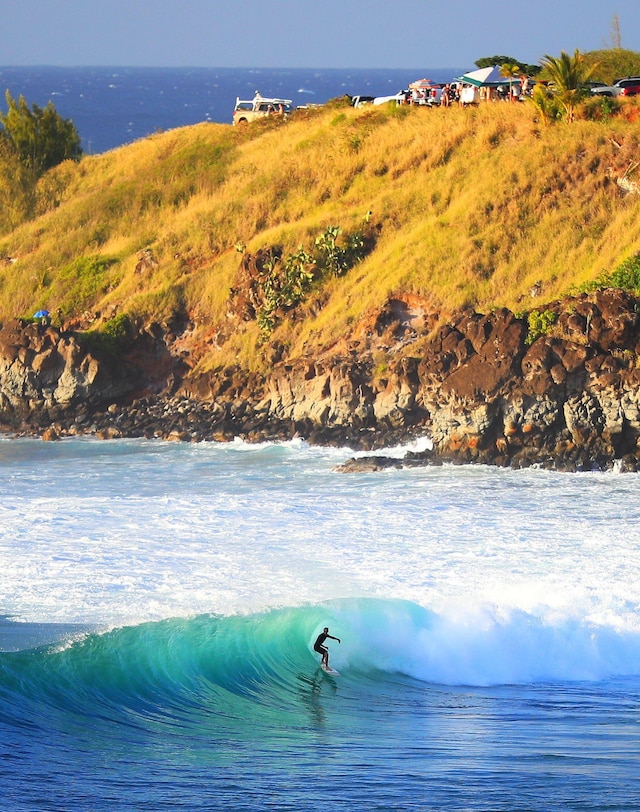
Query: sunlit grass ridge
{"type": "Point", "coordinates": [472, 206]}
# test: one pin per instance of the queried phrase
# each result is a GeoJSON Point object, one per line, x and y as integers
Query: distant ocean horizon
{"type": "Point", "coordinates": [112, 106]}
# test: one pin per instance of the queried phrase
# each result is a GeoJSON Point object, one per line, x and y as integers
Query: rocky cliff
{"type": "Point", "coordinates": [561, 391]}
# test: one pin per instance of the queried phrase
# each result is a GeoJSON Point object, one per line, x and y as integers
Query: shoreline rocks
{"type": "Point", "coordinates": [485, 388]}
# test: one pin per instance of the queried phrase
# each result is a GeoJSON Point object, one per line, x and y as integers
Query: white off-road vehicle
{"type": "Point", "coordinates": [259, 107]}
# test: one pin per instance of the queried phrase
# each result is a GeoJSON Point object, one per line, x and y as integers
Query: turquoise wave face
{"type": "Point", "coordinates": [219, 679]}
{"type": "Point", "coordinates": [226, 669]}
{"type": "Point", "coordinates": [259, 671]}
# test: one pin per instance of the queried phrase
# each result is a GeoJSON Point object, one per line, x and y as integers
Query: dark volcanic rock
{"type": "Point", "coordinates": [359, 465]}
{"type": "Point", "coordinates": [569, 399]}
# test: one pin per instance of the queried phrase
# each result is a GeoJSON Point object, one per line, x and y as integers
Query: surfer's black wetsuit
{"type": "Point", "coordinates": [317, 646]}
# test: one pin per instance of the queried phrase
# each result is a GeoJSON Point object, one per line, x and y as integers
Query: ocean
{"type": "Point", "coordinates": [114, 106]}
{"type": "Point", "coordinates": [159, 604]}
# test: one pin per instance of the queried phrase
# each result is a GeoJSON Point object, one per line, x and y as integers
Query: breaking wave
{"type": "Point", "coordinates": [241, 669]}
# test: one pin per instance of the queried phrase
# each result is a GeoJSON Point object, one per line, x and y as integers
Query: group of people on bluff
{"type": "Point", "coordinates": [454, 92]}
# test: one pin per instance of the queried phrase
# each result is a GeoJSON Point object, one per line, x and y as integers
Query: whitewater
{"type": "Point", "coordinates": [159, 603]}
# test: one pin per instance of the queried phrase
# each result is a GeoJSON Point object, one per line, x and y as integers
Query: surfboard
{"type": "Point", "coordinates": [328, 670]}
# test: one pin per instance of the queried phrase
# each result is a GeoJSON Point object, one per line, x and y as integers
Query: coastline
{"type": "Point", "coordinates": [480, 386]}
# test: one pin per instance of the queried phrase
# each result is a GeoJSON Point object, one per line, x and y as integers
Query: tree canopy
{"type": "Point", "coordinates": [613, 63]}
{"type": "Point", "coordinates": [17, 188]}
{"type": "Point", "coordinates": [32, 140]}
{"type": "Point", "coordinates": [498, 60]}
{"type": "Point", "coordinates": [40, 137]}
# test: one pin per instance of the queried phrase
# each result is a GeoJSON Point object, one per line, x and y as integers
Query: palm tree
{"type": "Point", "coordinates": [510, 71]}
{"type": "Point", "coordinates": [544, 102]}
{"type": "Point", "coordinates": [568, 77]}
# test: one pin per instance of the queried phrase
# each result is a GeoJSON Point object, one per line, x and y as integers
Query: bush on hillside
{"type": "Point", "coordinates": [613, 63]}
{"type": "Point", "coordinates": [270, 283]}
{"type": "Point", "coordinates": [84, 279]}
{"type": "Point", "coordinates": [625, 277]}
{"type": "Point", "coordinates": [32, 141]}
{"type": "Point", "coordinates": [599, 108]}
{"type": "Point", "coordinates": [111, 338]}
{"type": "Point", "coordinates": [538, 324]}
{"type": "Point", "coordinates": [17, 188]}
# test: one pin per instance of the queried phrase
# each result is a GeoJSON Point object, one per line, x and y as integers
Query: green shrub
{"type": "Point", "coordinates": [627, 274]}
{"type": "Point", "coordinates": [41, 137]}
{"type": "Point", "coordinates": [539, 324]}
{"type": "Point", "coordinates": [625, 277]}
{"type": "Point", "coordinates": [400, 110]}
{"type": "Point", "coordinates": [83, 281]}
{"type": "Point", "coordinates": [111, 338]}
{"type": "Point", "coordinates": [284, 283]}
{"type": "Point", "coordinates": [337, 259]}
{"type": "Point", "coordinates": [600, 108]}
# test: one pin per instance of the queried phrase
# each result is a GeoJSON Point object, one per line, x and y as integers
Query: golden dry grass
{"type": "Point", "coordinates": [474, 207]}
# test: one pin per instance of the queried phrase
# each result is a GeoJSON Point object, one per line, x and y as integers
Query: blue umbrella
{"type": "Point", "coordinates": [40, 314]}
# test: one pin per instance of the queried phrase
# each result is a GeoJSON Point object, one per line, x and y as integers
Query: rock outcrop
{"type": "Point", "coordinates": [48, 375]}
{"type": "Point", "coordinates": [486, 390]}
{"type": "Point", "coordinates": [44, 373]}
{"type": "Point", "coordinates": [485, 387]}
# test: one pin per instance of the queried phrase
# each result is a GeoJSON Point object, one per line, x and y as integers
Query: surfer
{"type": "Point", "coordinates": [321, 649]}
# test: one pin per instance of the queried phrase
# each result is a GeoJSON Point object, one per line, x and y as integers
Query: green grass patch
{"type": "Point", "coordinates": [83, 281]}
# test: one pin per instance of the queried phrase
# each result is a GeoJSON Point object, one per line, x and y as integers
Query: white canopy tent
{"type": "Point", "coordinates": [484, 77]}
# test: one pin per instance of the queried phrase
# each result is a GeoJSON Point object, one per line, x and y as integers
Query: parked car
{"type": "Point", "coordinates": [630, 86]}
{"type": "Point", "coordinates": [259, 107]}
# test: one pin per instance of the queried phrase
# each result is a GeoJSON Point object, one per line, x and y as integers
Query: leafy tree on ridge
{"type": "Point", "coordinates": [523, 67]}
{"type": "Point", "coordinates": [17, 188]}
{"type": "Point", "coordinates": [40, 136]}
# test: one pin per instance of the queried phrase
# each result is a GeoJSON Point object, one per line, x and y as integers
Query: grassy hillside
{"type": "Point", "coordinates": [470, 207]}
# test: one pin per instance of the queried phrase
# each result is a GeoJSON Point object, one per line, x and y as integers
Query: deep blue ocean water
{"type": "Point", "coordinates": [113, 106]}
{"type": "Point", "coordinates": [159, 601]}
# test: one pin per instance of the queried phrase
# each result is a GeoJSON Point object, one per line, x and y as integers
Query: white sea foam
{"type": "Point", "coordinates": [483, 646]}
{"type": "Point", "coordinates": [416, 446]}
{"type": "Point", "coordinates": [119, 532]}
